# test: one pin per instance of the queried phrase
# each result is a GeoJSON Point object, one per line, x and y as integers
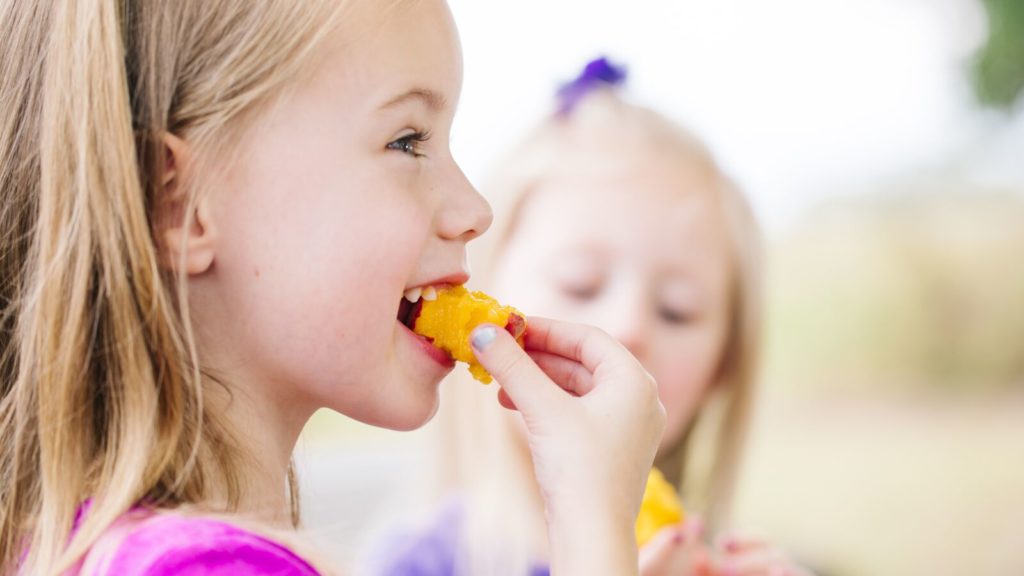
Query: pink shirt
{"type": "Point", "coordinates": [161, 544]}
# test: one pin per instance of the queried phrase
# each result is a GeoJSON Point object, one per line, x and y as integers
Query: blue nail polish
{"type": "Point", "coordinates": [482, 337]}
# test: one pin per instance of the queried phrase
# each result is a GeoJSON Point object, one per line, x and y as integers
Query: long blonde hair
{"type": "Point", "coordinates": [101, 390]}
{"type": "Point", "coordinates": [477, 450]}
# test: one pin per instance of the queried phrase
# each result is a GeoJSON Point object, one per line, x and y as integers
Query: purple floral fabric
{"type": "Point", "coordinates": [430, 552]}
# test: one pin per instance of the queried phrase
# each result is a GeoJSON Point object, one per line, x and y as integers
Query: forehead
{"type": "Point", "coordinates": [387, 48]}
{"type": "Point", "coordinates": [642, 215]}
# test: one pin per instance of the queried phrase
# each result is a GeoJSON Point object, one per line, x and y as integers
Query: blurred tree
{"type": "Point", "coordinates": [999, 66]}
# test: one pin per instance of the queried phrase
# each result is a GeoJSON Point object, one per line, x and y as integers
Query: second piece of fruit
{"type": "Point", "coordinates": [660, 507]}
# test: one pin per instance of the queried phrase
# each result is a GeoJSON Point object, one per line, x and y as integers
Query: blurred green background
{"type": "Point", "coordinates": [892, 404]}
{"type": "Point", "coordinates": [998, 72]}
{"type": "Point", "coordinates": [891, 413]}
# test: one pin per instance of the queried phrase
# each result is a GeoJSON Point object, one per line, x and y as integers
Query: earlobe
{"type": "Point", "coordinates": [183, 226]}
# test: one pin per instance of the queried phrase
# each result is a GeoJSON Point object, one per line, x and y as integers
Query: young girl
{"type": "Point", "coordinates": [209, 213]}
{"type": "Point", "coordinates": [611, 214]}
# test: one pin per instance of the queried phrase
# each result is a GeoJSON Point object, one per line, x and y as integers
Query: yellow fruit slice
{"type": "Point", "coordinates": [660, 507]}
{"type": "Point", "coordinates": [449, 320]}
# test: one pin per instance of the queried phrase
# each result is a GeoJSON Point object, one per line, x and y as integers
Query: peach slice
{"type": "Point", "coordinates": [448, 320]}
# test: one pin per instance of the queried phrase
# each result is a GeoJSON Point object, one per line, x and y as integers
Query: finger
{"type": "Point", "coordinates": [693, 528]}
{"type": "Point", "coordinates": [732, 543]}
{"type": "Point", "coordinates": [505, 401]}
{"type": "Point", "coordinates": [526, 385]}
{"type": "Point", "coordinates": [585, 344]}
{"type": "Point", "coordinates": [568, 374]}
{"type": "Point", "coordinates": [656, 557]}
{"type": "Point", "coordinates": [760, 562]}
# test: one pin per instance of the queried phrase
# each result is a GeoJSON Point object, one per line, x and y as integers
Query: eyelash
{"type": "Point", "coordinates": [409, 144]}
{"type": "Point", "coordinates": [580, 292]}
{"type": "Point", "coordinates": [674, 317]}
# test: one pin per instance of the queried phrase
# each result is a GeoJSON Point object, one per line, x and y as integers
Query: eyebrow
{"type": "Point", "coordinates": [433, 100]}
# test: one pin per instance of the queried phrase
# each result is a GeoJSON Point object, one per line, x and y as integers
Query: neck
{"type": "Point", "coordinates": [266, 430]}
{"type": "Point", "coordinates": [264, 417]}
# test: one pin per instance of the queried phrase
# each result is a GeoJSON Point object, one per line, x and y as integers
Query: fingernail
{"type": "Point", "coordinates": [483, 336]}
{"type": "Point", "coordinates": [731, 544]}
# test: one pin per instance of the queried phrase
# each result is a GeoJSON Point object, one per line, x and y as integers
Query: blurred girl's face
{"type": "Point", "coordinates": [640, 252]}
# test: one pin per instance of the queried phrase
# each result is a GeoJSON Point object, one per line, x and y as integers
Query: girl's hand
{"type": "Point", "coordinates": [677, 550]}
{"type": "Point", "coordinates": [744, 556]}
{"type": "Point", "coordinates": [593, 423]}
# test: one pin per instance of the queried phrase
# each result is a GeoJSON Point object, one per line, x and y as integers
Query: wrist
{"type": "Point", "coordinates": [589, 540]}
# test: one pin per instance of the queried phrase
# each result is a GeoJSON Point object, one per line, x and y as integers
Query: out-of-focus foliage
{"type": "Point", "coordinates": [999, 67]}
{"type": "Point", "coordinates": [919, 291]}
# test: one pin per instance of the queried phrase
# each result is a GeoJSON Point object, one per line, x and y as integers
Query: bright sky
{"type": "Point", "coordinates": [799, 99]}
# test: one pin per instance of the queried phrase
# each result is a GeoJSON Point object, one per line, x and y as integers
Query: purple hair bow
{"type": "Point", "coordinates": [597, 73]}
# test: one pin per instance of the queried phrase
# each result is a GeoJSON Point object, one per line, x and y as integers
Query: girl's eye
{"type": "Point", "coordinates": [581, 291]}
{"type": "Point", "coordinates": [410, 144]}
{"type": "Point", "coordinates": [673, 316]}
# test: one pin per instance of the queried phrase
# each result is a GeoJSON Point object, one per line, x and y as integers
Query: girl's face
{"type": "Point", "coordinates": [346, 195]}
{"type": "Point", "coordinates": [638, 251]}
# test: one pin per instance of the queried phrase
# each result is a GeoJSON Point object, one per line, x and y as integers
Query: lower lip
{"type": "Point", "coordinates": [436, 354]}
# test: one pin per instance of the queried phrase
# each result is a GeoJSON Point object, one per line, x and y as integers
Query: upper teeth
{"type": "Point", "coordinates": [428, 293]}
{"type": "Point", "coordinates": [413, 294]}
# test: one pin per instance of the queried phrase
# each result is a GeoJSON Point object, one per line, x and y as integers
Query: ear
{"type": "Point", "coordinates": [184, 228]}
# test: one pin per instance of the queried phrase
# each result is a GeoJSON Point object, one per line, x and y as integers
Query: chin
{"type": "Point", "coordinates": [408, 413]}
{"type": "Point", "coordinates": [411, 420]}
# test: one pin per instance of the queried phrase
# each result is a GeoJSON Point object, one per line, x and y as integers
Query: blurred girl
{"type": "Point", "coordinates": [610, 214]}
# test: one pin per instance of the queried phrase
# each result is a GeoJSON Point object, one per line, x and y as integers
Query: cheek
{"type": "Point", "coordinates": [684, 368]}
{"type": "Point", "coordinates": [317, 287]}
{"type": "Point", "coordinates": [521, 281]}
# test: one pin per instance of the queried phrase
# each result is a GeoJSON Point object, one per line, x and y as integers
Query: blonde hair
{"type": "Point", "coordinates": [101, 391]}
{"type": "Point", "coordinates": [477, 452]}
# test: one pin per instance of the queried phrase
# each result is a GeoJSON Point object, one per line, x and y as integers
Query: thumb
{"type": "Point", "coordinates": [656, 556]}
{"type": "Point", "coordinates": [523, 381]}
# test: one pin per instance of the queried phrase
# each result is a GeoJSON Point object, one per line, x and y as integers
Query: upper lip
{"type": "Point", "coordinates": [456, 279]}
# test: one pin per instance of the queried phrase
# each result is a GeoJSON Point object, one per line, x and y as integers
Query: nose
{"type": "Point", "coordinates": [630, 332]}
{"type": "Point", "coordinates": [627, 320]}
{"type": "Point", "coordinates": [465, 214]}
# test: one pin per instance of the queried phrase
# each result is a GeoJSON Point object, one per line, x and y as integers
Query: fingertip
{"type": "Point", "coordinates": [726, 543]}
{"type": "Point", "coordinates": [696, 526]}
{"type": "Point", "coordinates": [483, 336]}
{"type": "Point", "coordinates": [506, 401]}
{"type": "Point", "coordinates": [732, 545]}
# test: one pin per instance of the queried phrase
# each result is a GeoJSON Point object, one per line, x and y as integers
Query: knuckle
{"type": "Point", "coordinates": [649, 386]}
{"type": "Point", "coordinates": [661, 415]}
{"type": "Point", "coordinates": [509, 364]}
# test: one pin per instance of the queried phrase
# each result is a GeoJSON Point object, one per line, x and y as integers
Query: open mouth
{"type": "Point", "coordinates": [412, 303]}
{"type": "Point", "coordinates": [408, 312]}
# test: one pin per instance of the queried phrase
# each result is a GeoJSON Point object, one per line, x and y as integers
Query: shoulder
{"type": "Point", "coordinates": [166, 544]}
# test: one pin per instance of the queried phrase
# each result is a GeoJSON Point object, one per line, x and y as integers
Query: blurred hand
{"type": "Point", "coordinates": [593, 422]}
{"type": "Point", "coordinates": [746, 556]}
{"type": "Point", "coordinates": [677, 550]}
